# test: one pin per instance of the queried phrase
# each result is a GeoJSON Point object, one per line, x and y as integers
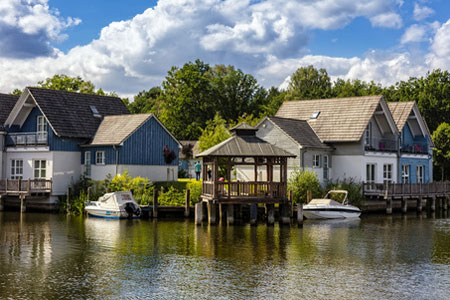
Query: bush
{"type": "Point", "coordinates": [301, 181]}
{"type": "Point", "coordinates": [196, 190]}
{"type": "Point", "coordinates": [142, 189]}
{"type": "Point", "coordinates": [171, 197]}
{"type": "Point", "coordinates": [354, 189]}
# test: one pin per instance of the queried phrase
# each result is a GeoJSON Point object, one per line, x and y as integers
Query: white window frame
{"type": "Point", "coordinates": [41, 128]}
{"type": "Point", "coordinates": [368, 134]}
{"type": "Point", "coordinates": [420, 174]}
{"type": "Point", "coordinates": [405, 173]}
{"type": "Point", "coordinates": [87, 164]}
{"type": "Point", "coordinates": [387, 173]}
{"type": "Point", "coordinates": [325, 167]}
{"type": "Point", "coordinates": [316, 161]}
{"type": "Point", "coordinates": [16, 169]}
{"type": "Point", "coordinates": [99, 157]}
{"type": "Point", "coordinates": [371, 173]}
{"type": "Point", "coordinates": [40, 166]}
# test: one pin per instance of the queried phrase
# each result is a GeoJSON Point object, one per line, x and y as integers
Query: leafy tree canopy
{"type": "Point", "coordinates": [309, 83]}
{"type": "Point", "coordinates": [441, 140]}
{"type": "Point", "coordinates": [215, 132]}
{"type": "Point", "coordinates": [145, 101]}
{"type": "Point", "coordinates": [66, 83]}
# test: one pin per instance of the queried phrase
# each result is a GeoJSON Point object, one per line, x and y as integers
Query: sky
{"type": "Point", "coordinates": [128, 46]}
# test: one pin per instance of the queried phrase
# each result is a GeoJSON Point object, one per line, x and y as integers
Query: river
{"type": "Point", "coordinates": [51, 256]}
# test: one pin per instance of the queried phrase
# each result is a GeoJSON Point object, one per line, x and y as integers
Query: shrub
{"type": "Point", "coordinates": [196, 190]}
{"type": "Point", "coordinates": [171, 197]}
{"type": "Point", "coordinates": [301, 181]}
{"type": "Point", "coordinates": [355, 196]}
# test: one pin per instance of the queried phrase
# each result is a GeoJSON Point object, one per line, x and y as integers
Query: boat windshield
{"type": "Point", "coordinates": [337, 195]}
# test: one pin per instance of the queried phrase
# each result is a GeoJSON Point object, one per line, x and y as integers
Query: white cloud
{"type": "Point", "coordinates": [440, 55]}
{"type": "Point", "coordinates": [414, 33]}
{"type": "Point", "coordinates": [28, 27]}
{"type": "Point", "coordinates": [135, 54]}
{"type": "Point", "coordinates": [422, 12]}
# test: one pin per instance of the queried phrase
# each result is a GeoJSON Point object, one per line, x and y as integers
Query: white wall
{"type": "Point", "coordinates": [28, 156]}
{"type": "Point", "coordinates": [99, 172]}
{"type": "Point", "coordinates": [66, 170]}
{"type": "Point", "coordinates": [153, 173]}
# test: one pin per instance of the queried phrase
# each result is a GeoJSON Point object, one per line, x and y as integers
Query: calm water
{"type": "Point", "coordinates": [44, 256]}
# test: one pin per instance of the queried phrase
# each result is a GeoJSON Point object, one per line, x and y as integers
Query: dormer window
{"type": "Point", "coordinates": [314, 115]}
{"type": "Point", "coordinates": [41, 129]}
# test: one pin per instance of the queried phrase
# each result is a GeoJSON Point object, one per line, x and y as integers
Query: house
{"type": "Point", "coordinates": [188, 163]}
{"type": "Point", "coordinates": [60, 136]}
{"type": "Point", "coordinates": [355, 137]}
{"type": "Point", "coordinates": [416, 145]}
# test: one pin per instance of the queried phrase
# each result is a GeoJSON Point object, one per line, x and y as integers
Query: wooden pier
{"type": "Point", "coordinates": [434, 195]}
{"type": "Point", "coordinates": [24, 189]}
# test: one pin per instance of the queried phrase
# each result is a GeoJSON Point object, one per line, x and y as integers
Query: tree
{"type": "Point", "coordinates": [215, 132]}
{"type": "Point", "coordinates": [274, 99]}
{"type": "Point", "coordinates": [353, 88]}
{"type": "Point", "coordinates": [145, 101]}
{"type": "Point", "coordinates": [16, 92]}
{"type": "Point", "coordinates": [309, 83]}
{"type": "Point", "coordinates": [302, 181]}
{"type": "Point", "coordinates": [63, 82]}
{"type": "Point", "coordinates": [441, 140]}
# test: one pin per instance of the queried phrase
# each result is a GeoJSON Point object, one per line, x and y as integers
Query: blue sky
{"type": "Point", "coordinates": [128, 46]}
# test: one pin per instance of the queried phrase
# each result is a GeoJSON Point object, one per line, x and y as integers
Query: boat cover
{"type": "Point", "coordinates": [115, 200]}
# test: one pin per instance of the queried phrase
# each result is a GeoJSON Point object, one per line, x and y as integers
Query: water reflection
{"type": "Point", "coordinates": [55, 256]}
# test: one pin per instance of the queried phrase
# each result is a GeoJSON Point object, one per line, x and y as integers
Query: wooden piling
{"type": "Point", "coordinates": [308, 196]}
{"type": "Point", "coordinates": [419, 205]}
{"type": "Point", "coordinates": [432, 201]}
{"type": "Point", "coordinates": [388, 200]}
{"type": "Point", "coordinates": [404, 205]}
{"type": "Point", "coordinates": [445, 204]}
{"type": "Point", "coordinates": [300, 215]}
{"type": "Point", "coordinates": [68, 200]}
{"type": "Point", "coordinates": [285, 213]}
{"type": "Point", "coordinates": [438, 204]}
{"type": "Point", "coordinates": [230, 214]}
{"type": "Point", "coordinates": [1, 203]}
{"type": "Point", "coordinates": [187, 202]}
{"type": "Point", "coordinates": [270, 214]}
{"type": "Point", "coordinates": [291, 200]}
{"type": "Point", "coordinates": [253, 214]}
{"type": "Point", "coordinates": [212, 212]}
{"type": "Point", "coordinates": [23, 207]}
{"type": "Point", "coordinates": [222, 212]}
{"type": "Point", "coordinates": [155, 203]}
{"type": "Point", "coordinates": [198, 213]}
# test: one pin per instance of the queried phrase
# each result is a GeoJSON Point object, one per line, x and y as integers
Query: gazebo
{"type": "Point", "coordinates": [244, 151]}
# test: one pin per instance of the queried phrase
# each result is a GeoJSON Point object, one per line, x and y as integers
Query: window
{"type": "Point", "coordinates": [405, 173]}
{"type": "Point", "coordinates": [419, 174]}
{"type": "Point", "coordinates": [316, 160]}
{"type": "Point", "coordinates": [325, 167]}
{"type": "Point", "coordinates": [87, 163]}
{"type": "Point", "coordinates": [40, 169]}
{"type": "Point", "coordinates": [370, 173]}
{"type": "Point", "coordinates": [315, 115]}
{"type": "Point", "coordinates": [16, 169]}
{"type": "Point", "coordinates": [100, 157]}
{"type": "Point", "coordinates": [41, 129]}
{"type": "Point", "coordinates": [368, 134]}
{"type": "Point", "coordinates": [387, 173]}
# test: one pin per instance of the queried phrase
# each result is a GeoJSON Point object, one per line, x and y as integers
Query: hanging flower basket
{"type": "Point", "coordinates": [169, 155]}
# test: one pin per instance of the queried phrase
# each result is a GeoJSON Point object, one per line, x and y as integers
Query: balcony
{"type": "Point", "coordinates": [385, 145]}
{"type": "Point", "coordinates": [27, 139]}
{"type": "Point", "coordinates": [415, 148]}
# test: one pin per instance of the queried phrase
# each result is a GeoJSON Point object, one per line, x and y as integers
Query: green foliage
{"type": "Point", "coordinates": [195, 188]}
{"type": "Point", "coordinates": [145, 101]}
{"type": "Point", "coordinates": [66, 83]}
{"type": "Point", "coordinates": [309, 83]}
{"type": "Point", "coordinates": [141, 188]}
{"type": "Point", "coordinates": [16, 92]}
{"type": "Point", "coordinates": [275, 98]}
{"type": "Point", "coordinates": [441, 140]}
{"type": "Point", "coordinates": [171, 197]}
{"type": "Point", "coordinates": [353, 88]}
{"type": "Point", "coordinates": [353, 188]}
{"type": "Point", "coordinates": [214, 133]}
{"type": "Point", "coordinates": [301, 181]}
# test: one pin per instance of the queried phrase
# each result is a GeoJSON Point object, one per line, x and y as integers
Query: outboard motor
{"type": "Point", "coordinates": [129, 208]}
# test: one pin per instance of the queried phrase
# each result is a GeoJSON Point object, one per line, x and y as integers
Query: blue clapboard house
{"type": "Point", "coordinates": [60, 136]}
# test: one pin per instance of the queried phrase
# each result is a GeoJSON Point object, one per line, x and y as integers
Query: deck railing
{"type": "Point", "coordinates": [26, 139]}
{"type": "Point", "coordinates": [407, 189]}
{"type": "Point", "coordinates": [27, 186]}
{"type": "Point", "coordinates": [416, 148]}
{"type": "Point", "coordinates": [388, 145]}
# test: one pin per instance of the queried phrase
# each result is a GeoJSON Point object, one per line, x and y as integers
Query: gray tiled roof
{"type": "Point", "coordinates": [70, 114]}
{"type": "Point", "coordinates": [115, 129]}
{"type": "Point", "coordinates": [300, 131]}
{"type": "Point", "coordinates": [247, 146]}
{"type": "Point", "coordinates": [339, 120]}
{"type": "Point", "coordinates": [7, 103]}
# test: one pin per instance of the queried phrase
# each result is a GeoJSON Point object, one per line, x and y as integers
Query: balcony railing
{"type": "Point", "coordinates": [417, 148]}
{"type": "Point", "coordinates": [25, 186]}
{"type": "Point", "coordinates": [388, 145]}
{"type": "Point", "coordinates": [27, 139]}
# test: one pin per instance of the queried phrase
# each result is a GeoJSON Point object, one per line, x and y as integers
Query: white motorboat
{"type": "Point", "coordinates": [117, 205]}
{"type": "Point", "coordinates": [328, 208]}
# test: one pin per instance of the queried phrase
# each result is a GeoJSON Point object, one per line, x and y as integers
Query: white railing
{"type": "Point", "coordinates": [27, 138]}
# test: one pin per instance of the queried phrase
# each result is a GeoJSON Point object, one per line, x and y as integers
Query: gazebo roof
{"type": "Point", "coordinates": [245, 143]}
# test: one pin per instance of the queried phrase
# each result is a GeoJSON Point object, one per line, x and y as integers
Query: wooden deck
{"type": "Point", "coordinates": [410, 190]}
{"type": "Point", "coordinates": [17, 187]}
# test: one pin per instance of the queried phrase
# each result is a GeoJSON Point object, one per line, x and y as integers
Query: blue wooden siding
{"type": "Point", "coordinates": [413, 163]}
{"type": "Point", "coordinates": [55, 143]}
{"type": "Point", "coordinates": [144, 147]}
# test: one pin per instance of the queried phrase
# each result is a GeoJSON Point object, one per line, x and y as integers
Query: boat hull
{"type": "Point", "coordinates": [316, 214]}
{"type": "Point", "coordinates": [108, 213]}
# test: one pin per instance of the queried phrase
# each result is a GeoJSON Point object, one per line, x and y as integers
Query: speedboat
{"type": "Point", "coordinates": [117, 205]}
{"type": "Point", "coordinates": [327, 208]}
